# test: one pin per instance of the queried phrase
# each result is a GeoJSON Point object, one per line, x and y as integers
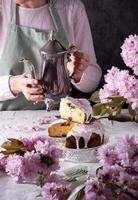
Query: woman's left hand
{"type": "Point", "coordinates": [77, 64]}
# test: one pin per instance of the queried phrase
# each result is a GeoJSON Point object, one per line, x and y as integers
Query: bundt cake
{"type": "Point", "coordinates": [77, 110]}
{"type": "Point", "coordinates": [85, 135]}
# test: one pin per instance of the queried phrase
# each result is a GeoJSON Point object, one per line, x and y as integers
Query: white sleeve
{"type": "Point", "coordinates": [84, 41]}
{"type": "Point", "coordinates": [5, 92]}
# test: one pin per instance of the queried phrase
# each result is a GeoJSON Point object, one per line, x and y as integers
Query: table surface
{"type": "Point", "coordinates": [18, 124]}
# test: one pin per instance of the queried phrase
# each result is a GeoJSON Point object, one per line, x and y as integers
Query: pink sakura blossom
{"type": "Point", "coordinates": [20, 167]}
{"type": "Point", "coordinates": [41, 158]}
{"type": "Point", "coordinates": [47, 148]}
{"type": "Point", "coordinates": [46, 120]}
{"type": "Point", "coordinates": [96, 191]}
{"type": "Point", "coordinates": [107, 156]}
{"type": "Point", "coordinates": [127, 150]}
{"type": "Point", "coordinates": [29, 143]}
{"type": "Point", "coordinates": [120, 83]}
{"type": "Point", "coordinates": [119, 167]}
{"type": "Point", "coordinates": [130, 52]}
{"type": "Point", "coordinates": [55, 191]}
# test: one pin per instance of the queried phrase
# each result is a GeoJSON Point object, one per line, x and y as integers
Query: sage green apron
{"type": "Point", "coordinates": [24, 42]}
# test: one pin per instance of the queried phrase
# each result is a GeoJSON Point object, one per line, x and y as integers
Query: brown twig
{"type": "Point", "coordinates": [120, 118]}
{"type": "Point", "coordinates": [124, 118]}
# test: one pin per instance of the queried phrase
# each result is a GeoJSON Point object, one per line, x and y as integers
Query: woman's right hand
{"type": "Point", "coordinates": [28, 86]}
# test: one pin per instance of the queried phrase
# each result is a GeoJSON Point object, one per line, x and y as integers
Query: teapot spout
{"type": "Point", "coordinates": [30, 66]}
{"type": "Point", "coordinates": [49, 104]}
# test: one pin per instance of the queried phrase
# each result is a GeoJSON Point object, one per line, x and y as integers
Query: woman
{"type": "Point", "coordinates": [24, 27]}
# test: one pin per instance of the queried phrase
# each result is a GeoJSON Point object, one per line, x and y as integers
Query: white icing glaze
{"type": "Point", "coordinates": [85, 131]}
{"type": "Point", "coordinates": [82, 104]}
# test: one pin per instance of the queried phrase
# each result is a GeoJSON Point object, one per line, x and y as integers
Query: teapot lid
{"type": "Point", "coordinates": [53, 46]}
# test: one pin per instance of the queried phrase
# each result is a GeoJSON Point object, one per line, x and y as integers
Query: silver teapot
{"type": "Point", "coordinates": [53, 74]}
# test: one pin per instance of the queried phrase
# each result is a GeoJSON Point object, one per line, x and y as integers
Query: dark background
{"type": "Point", "coordinates": [111, 22]}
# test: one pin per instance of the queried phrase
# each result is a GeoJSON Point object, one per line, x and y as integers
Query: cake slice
{"type": "Point", "coordinates": [60, 128]}
{"type": "Point", "coordinates": [77, 110]}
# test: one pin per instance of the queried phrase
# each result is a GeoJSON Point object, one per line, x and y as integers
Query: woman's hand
{"type": "Point", "coordinates": [77, 64]}
{"type": "Point", "coordinates": [27, 85]}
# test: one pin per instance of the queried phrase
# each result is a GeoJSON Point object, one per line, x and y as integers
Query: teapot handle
{"type": "Point", "coordinates": [30, 66]}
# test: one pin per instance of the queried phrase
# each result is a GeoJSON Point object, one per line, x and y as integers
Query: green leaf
{"type": "Point", "coordinates": [73, 174]}
{"type": "Point", "coordinates": [98, 108]}
{"type": "Point", "coordinates": [8, 152]}
{"type": "Point", "coordinates": [117, 110]}
{"type": "Point", "coordinates": [73, 170]}
{"type": "Point", "coordinates": [95, 97]}
{"type": "Point", "coordinates": [75, 193]}
{"type": "Point", "coordinates": [104, 110]}
{"type": "Point", "coordinates": [109, 110]}
{"type": "Point", "coordinates": [116, 100]}
{"type": "Point", "coordinates": [12, 146]}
